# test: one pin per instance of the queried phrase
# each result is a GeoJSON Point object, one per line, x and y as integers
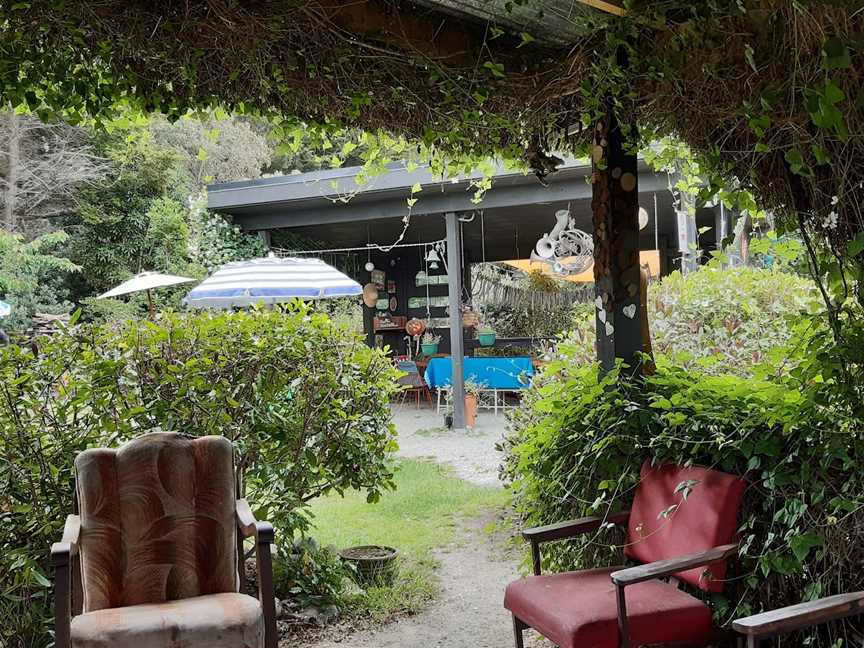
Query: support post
{"type": "Point", "coordinates": [454, 286]}
{"type": "Point", "coordinates": [615, 204]}
{"type": "Point", "coordinates": [266, 239]}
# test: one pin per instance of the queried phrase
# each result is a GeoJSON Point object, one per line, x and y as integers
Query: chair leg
{"type": "Point", "coordinates": [518, 627]}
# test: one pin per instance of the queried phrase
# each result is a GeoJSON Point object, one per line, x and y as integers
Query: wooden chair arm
{"type": "Point", "coordinates": [660, 568]}
{"type": "Point", "coordinates": [573, 528]}
{"type": "Point", "coordinates": [802, 615]}
{"type": "Point", "coordinates": [249, 527]}
{"type": "Point", "coordinates": [62, 555]}
{"type": "Point", "coordinates": [569, 529]}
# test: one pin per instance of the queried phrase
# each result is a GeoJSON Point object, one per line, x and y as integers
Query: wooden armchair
{"type": "Point", "coordinates": [155, 558]}
{"type": "Point", "coordinates": [689, 539]}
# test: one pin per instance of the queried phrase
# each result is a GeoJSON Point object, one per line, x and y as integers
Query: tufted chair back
{"type": "Point", "coordinates": [157, 520]}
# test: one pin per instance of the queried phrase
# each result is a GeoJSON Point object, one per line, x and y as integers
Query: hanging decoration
{"type": "Point", "coordinates": [415, 327]}
{"type": "Point", "coordinates": [567, 249]}
{"type": "Point", "coordinates": [370, 294]}
{"type": "Point", "coordinates": [369, 265]}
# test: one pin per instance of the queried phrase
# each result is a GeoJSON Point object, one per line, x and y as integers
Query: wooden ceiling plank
{"type": "Point", "coordinates": [604, 5]}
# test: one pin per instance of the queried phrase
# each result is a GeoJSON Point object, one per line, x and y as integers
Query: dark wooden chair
{"type": "Point", "coordinates": [682, 526]}
{"type": "Point", "coordinates": [413, 382]}
{"type": "Point", "coordinates": [754, 629]}
{"type": "Point", "coordinates": [155, 557]}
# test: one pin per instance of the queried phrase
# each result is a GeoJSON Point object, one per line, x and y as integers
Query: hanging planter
{"type": "Point", "coordinates": [429, 344]}
{"type": "Point", "coordinates": [486, 337]}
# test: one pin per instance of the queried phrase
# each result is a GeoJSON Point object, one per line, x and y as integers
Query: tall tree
{"type": "Point", "coordinates": [213, 149]}
{"type": "Point", "coordinates": [42, 166]}
{"type": "Point", "coordinates": [135, 222]}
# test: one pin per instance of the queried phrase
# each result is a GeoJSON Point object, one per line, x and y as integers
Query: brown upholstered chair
{"type": "Point", "coordinates": [154, 559]}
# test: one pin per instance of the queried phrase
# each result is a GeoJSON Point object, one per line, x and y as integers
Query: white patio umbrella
{"type": "Point", "coordinates": [270, 281]}
{"type": "Point", "coordinates": [145, 281]}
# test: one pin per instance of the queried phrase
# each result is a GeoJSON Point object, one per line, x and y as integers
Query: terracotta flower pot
{"type": "Point", "coordinates": [470, 410]}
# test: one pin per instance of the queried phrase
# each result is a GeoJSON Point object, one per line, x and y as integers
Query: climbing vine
{"type": "Point", "coordinates": [766, 94]}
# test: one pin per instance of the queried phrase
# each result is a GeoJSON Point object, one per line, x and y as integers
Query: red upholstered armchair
{"type": "Point", "coordinates": [617, 606]}
{"type": "Point", "coordinates": [154, 559]}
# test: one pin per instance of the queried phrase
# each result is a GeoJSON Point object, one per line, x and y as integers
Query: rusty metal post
{"type": "Point", "coordinates": [615, 205]}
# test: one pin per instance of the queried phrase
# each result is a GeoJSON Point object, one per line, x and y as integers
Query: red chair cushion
{"type": "Point", "coordinates": [707, 518]}
{"type": "Point", "coordinates": [579, 610]}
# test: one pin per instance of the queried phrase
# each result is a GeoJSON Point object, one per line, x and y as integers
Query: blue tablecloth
{"type": "Point", "coordinates": [489, 373]}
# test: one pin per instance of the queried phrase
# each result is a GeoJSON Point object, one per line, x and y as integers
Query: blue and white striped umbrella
{"type": "Point", "coordinates": [270, 281]}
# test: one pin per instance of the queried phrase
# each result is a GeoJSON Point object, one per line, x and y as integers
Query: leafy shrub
{"type": "Point", "coordinates": [719, 321]}
{"type": "Point", "coordinates": [304, 401]}
{"type": "Point", "coordinates": [578, 440]}
{"type": "Point", "coordinates": [31, 277]}
{"type": "Point", "coordinates": [530, 321]}
{"type": "Point", "coordinates": [215, 241]}
{"type": "Point", "coordinates": [305, 573]}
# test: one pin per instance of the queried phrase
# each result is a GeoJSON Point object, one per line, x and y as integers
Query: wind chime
{"type": "Point", "coordinates": [566, 249]}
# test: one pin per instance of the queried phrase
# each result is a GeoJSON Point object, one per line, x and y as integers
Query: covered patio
{"type": "Point", "coordinates": [357, 224]}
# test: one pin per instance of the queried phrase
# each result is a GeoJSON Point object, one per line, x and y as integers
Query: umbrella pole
{"type": "Point", "coordinates": [150, 305]}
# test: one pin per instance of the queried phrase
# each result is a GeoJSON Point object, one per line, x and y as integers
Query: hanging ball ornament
{"type": "Point", "coordinates": [369, 266]}
{"type": "Point", "coordinates": [415, 327]}
{"type": "Point", "coordinates": [370, 295]}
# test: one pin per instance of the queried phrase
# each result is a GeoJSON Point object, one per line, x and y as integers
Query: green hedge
{"type": "Point", "coordinates": [305, 402]}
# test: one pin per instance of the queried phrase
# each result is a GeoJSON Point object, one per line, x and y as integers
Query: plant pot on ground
{"type": "Point", "coordinates": [470, 410]}
{"type": "Point", "coordinates": [472, 395]}
{"type": "Point", "coordinates": [372, 565]}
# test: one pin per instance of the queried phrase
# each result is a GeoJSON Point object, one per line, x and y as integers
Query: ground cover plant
{"type": "Point", "coordinates": [422, 514]}
{"type": "Point", "coordinates": [304, 401]}
{"type": "Point", "coordinates": [791, 423]}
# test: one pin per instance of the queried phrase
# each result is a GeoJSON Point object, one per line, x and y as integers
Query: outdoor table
{"type": "Point", "coordinates": [495, 374]}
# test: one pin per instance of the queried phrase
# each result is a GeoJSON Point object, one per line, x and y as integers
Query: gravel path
{"type": "Point", "coordinates": [471, 454]}
{"type": "Point", "coordinates": [469, 612]}
{"type": "Point", "coordinates": [474, 570]}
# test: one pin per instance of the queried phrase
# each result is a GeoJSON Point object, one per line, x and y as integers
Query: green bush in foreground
{"type": "Point", "coordinates": [578, 440]}
{"type": "Point", "coordinates": [304, 401]}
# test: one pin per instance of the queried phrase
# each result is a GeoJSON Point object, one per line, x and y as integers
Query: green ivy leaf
{"type": "Point", "coordinates": [797, 164]}
{"type": "Point", "coordinates": [835, 55]}
{"type": "Point", "coordinates": [821, 155]}
{"type": "Point", "coordinates": [497, 69]}
{"type": "Point", "coordinates": [751, 61]}
{"type": "Point", "coordinates": [802, 545]}
{"type": "Point", "coordinates": [856, 246]}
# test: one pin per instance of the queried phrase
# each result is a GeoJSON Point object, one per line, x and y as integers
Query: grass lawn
{"type": "Point", "coordinates": [419, 516]}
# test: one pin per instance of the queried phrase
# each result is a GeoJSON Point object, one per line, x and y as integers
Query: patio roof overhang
{"type": "Point", "coordinates": [330, 206]}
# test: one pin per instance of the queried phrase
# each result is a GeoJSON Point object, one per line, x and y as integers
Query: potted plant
{"type": "Point", "coordinates": [373, 565]}
{"type": "Point", "coordinates": [429, 343]}
{"type": "Point", "coordinates": [486, 336]}
{"type": "Point", "coordinates": [472, 393]}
